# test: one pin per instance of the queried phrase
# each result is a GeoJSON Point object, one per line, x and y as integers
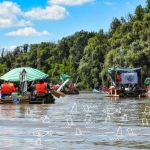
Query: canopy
{"type": "Point", "coordinates": [112, 72]}
{"type": "Point", "coordinates": [125, 69]}
{"type": "Point", "coordinates": [32, 73]}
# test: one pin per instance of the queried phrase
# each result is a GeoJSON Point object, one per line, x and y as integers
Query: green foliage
{"type": "Point", "coordinates": [88, 55]}
{"type": "Point", "coordinates": [1, 69]}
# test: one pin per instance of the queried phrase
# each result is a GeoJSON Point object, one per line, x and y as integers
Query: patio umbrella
{"type": "Point", "coordinates": [23, 82]}
{"type": "Point", "coordinates": [32, 73]}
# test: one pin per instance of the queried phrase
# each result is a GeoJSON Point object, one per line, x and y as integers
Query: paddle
{"type": "Point", "coordinates": [58, 94]}
{"type": "Point", "coordinates": [62, 85]}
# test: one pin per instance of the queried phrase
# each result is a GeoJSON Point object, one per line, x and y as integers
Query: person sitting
{"type": "Point", "coordinates": [136, 87]}
{"type": "Point", "coordinates": [13, 88]}
{"type": "Point", "coordinates": [5, 89]}
{"type": "Point", "coordinates": [130, 88]}
{"type": "Point", "coordinates": [41, 88]}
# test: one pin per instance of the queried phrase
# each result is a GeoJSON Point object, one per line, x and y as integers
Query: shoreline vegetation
{"type": "Point", "coordinates": [88, 55]}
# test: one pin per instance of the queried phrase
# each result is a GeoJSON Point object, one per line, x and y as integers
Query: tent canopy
{"type": "Point", "coordinates": [112, 72]}
{"type": "Point", "coordinates": [32, 73]}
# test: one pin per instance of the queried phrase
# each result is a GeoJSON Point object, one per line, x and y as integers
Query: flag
{"type": "Point", "coordinates": [64, 77]}
{"type": "Point", "coordinates": [129, 78]}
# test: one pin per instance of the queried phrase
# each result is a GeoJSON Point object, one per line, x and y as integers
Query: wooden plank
{"type": "Point", "coordinates": [111, 95]}
{"type": "Point", "coordinates": [21, 98]}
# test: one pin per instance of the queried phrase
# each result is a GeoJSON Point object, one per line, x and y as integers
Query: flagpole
{"type": "Point", "coordinates": [141, 79]}
{"type": "Point", "coordinates": [115, 82]}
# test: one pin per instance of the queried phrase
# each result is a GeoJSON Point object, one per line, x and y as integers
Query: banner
{"type": "Point", "coordinates": [129, 78]}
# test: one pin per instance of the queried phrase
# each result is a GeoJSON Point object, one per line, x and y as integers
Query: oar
{"type": "Point", "coordinates": [57, 93]}
{"type": "Point", "coordinates": [62, 85]}
{"type": "Point", "coordinates": [62, 94]}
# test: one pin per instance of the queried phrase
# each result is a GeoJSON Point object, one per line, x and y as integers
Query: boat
{"type": "Point", "coordinates": [22, 76]}
{"type": "Point", "coordinates": [128, 76]}
{"type": "Point", "coordinates": [66, 86]}
{"type": "Point", "coordinates": [66, 89]}
{"type": "Point", "coordinates": [98, 91]}
{"type": "Point", "coordinates": [101, 90]}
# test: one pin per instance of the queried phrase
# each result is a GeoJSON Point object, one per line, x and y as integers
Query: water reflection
{"type": "Point", "coordinates": [84, 121]}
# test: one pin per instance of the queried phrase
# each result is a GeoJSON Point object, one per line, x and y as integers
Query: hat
{"type": "Point", "coordinates": [45, 79]}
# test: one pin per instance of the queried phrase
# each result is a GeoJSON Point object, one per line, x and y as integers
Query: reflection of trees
{"type": "Point", "coordinates": [8, 111]}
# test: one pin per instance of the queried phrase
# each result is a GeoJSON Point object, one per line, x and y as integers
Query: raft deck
{"type": "Point", "coordinates": [27, 99]}
{"type": "Point", "coordinates": [124, 93]}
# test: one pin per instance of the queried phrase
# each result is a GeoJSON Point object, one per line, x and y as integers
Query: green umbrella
{"type": "Point", "coordinates": [32, 73]}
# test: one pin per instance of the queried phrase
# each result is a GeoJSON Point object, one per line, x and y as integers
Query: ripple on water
{"type": "Point", "coordinates": [84, 121]}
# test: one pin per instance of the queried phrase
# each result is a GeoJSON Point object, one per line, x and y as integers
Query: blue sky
{"type": "Point", "coordinates": [35, 21]}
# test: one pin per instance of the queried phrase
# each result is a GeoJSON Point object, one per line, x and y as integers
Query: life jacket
{"type": "Point", "coordinates": [40, 88]}
{"type": "Point", "coordinates": [6, 89]}
{"type": "Point", "coordinates": [13, 89]}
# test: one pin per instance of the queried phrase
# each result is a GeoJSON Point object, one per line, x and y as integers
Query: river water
{"type": "Point", "coordinates": [88, 121]}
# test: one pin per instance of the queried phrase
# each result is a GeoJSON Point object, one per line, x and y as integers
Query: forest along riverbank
{"type": "Point", "coordinates": [84, 121]}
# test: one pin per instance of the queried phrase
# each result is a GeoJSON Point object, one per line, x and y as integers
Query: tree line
{"type": "Point", "coordinates": [86, 56]}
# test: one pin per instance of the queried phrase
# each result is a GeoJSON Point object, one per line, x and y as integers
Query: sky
{"type": "Point", "coordinates": [35, 21]}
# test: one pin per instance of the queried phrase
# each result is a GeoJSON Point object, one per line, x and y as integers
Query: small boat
{"type": "Point", "coordinates": [98, 91]}
{"type": "Point", "coordinates": [70, 91]}
{"type": "Point", "coordinates": [65, 89]}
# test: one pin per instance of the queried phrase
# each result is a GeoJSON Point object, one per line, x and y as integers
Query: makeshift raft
{"type": "Point", "coordinates": [124, 93]}
{"type": "Point", "coordinates": [40, 99]}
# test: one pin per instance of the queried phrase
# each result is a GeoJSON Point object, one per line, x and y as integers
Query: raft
{"type": "Point", "coordinates": [124, 93]}
{"type": "Point", "coordinates": [15, 99]}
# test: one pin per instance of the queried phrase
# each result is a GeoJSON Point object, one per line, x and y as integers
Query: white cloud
{"type": "Point", "coordinates": [8, 15]}
{"type": "Point", "coordinates": [51, 12]}
{"type": "Point", "coordinates": [28, 31]}
{"type": "Point", "coordinates": [69, 2]}
{"type": "Point", "coordinates": [12, 16]}
{"type": "Point", "coordinates": [108, 3]}
{"type": "Point", "coordinates": [7, 49]}
{"type": "Point", "coordinates": [127, 3]}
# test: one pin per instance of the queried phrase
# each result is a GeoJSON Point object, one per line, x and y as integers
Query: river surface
{"type": "Point", "coordinates": [88, 121]}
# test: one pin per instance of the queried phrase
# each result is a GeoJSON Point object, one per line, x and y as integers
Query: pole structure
{"type": "Point", "coordinates": [115, 82]}
{"type": "Point", "coordinates": [141, 79]}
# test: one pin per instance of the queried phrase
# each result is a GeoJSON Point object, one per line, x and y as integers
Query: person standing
{"type": "Point", "coordinates": [111, 88]}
